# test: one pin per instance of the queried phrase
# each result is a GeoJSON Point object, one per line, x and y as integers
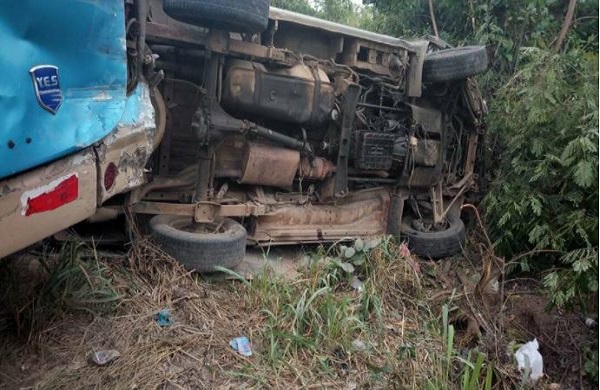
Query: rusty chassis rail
{"type": "Point", "coordinates": [203, 211]}
{"type": "Point", "coordinates": [216, 41]}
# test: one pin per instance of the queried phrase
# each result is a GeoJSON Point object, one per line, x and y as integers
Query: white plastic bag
{"type": "Point", "coordinates": [528, 357]}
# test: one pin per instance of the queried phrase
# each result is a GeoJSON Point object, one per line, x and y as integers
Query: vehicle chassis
{"type": "Point", "coordinates": [340, 213]}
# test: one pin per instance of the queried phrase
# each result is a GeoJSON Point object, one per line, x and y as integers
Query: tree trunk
{"type": "Point", "coordinates": [565, 27]}
{"type": "Point", "coordinates": [432, 16]}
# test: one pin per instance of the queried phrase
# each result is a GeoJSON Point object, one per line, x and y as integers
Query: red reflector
{"type": "Point", "coordinates": [65, 192]}
{"type": "Point", "coordinates": [110, 173]}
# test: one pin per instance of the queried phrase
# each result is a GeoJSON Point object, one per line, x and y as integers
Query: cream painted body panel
{"type": "Point", "coordinates": [19, 230]}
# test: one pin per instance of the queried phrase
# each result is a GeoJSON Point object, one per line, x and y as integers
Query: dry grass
{"type": "Point", "coordinates": [292, 349]}
{"type": "Point", "coordinates": [194, 348]}
{"type": "Point", "coordinates": [315, 331]}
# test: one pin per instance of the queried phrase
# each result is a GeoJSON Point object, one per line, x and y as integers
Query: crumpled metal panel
{"type": "Point", "coordinates": [129, 145]}
{"type": "Point", "coordinates": [85, 40]}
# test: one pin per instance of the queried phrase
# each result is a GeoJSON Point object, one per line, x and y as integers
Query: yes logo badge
{"type": "Point", "coordinates": [47, 86]}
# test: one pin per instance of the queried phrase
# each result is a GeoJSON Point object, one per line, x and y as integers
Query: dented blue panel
{"type": "Point", "coordinates": [63, 77]}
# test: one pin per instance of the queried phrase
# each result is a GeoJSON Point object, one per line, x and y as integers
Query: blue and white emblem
{"type": "Point", "coordinates": [47, 86]}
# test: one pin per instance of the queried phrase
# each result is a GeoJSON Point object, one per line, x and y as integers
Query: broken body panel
{"type": "Point", "coordinates": [47, 199]}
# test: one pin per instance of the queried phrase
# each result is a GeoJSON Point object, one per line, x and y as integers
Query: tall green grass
{"type": "Point", "coordinates": [456, 371]}
{"type": "Point", "coordinates": [69, 282]}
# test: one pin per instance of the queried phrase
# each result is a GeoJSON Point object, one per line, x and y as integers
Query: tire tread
{"type": "Point", "coordinates": [435, 245]}
{"type": "Point", "coordinates": [228, 15]}
{"type": "Point", "coordinates": [455, 64]}
{"type": "Point", "coordinates": [200, 252]}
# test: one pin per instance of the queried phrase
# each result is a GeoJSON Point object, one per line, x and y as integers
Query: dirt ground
{"type": "Point", "coordinates": [49, 347]}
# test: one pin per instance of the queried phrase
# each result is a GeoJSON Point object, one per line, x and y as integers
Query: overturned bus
{"type": "Point", "coordinates": [232, 124]}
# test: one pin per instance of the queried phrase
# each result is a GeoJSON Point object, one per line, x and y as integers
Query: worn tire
{"type": "Point", "coordinates": [199, 251]}
{"type": "Point", "coordinates": [228, 15]}
{"type": "Point", "coordinates": [435, 245]}
{"type": "Point", "coordinates": [454, 64]}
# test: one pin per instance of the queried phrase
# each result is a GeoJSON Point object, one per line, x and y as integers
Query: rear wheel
{"type": "Point", "coordinates": [200, 247]}
{"type": "Point", "coordinates": [228, 15]}
{"type": "Point", "coordinates": [434, 244]}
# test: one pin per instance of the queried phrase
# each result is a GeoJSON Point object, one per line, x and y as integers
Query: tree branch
{"type": "Point", "coordinates": [432, 16]}
{"type": "Point", "coordinates": [472, 9]}
{"type": "Point", "coordinates": [565, 27]}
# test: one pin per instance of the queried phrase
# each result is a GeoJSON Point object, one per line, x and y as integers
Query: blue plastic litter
{"type": "Point", "coordinates": [241, 345]}
{"type": "Point", "coordinates": [163, 318]}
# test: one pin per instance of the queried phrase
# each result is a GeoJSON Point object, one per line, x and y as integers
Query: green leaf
{"type": "Point", "coordinates": [536, 206]}
{"type": "Point", "coordinates": [359, 245]}
{"type": "Point", "coordinates": [359, 259]}
{"type": "Point", "coordinates": [581, 266]}
{"type": "Point", "coordinates": [346, 267]}
{"type": "Point", "coordinates": [584, 174]}
{"type": "Point", "coordinates": [551, 280]}
{"type": "Point", "coordinates": [374, 243]}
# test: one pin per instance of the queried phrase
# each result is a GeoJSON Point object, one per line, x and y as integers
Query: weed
{"type": "Point", "coordinates": [323, 325]}
{"type": "Point", "coordinates": [66, 283]}
{"type": "Point", "coordinates": [470, 377]}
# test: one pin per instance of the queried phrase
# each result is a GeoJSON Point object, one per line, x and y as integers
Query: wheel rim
{"type": "Point", "coordinates": [199, 228]}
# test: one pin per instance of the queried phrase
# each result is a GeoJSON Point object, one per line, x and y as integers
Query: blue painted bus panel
{"type": "Point", "coordinates": [85, 41]}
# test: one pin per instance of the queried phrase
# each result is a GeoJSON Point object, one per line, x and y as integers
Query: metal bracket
{"type": "Point", "coordinates": [415, 74]}
{"type": "Point", "coordinates": [209, 211]}
{"type": "Point", "coordinates": [437, 201]}
{"type": "Point", "coordinates": [440, 211]}
{"type": "Point", "coordinates": [348, 110]}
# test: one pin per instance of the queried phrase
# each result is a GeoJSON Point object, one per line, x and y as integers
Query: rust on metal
{"type": "Point", "coordinates": [363, 214]}
{"type": "Point", "coordinates": [147, 207]}
{"type": "Point", "coordinates": [204, 211]}
{"type": "Point", "coordinates": [300, 94]}
{"type": "Point", "coordinates": [165, 33]}
{"type": "Point", "coordinates": [427, 152]}
{"type": "Point", "coordinates": [315, 169]}
{"type": "Point", "coordinates": [269, 165]}
{"type": "Point", "coordinates": [208, 212]}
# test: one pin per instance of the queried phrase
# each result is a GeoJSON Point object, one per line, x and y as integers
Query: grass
{"type": "Point", "coordinates": [316, 330]}
{"type": "Point", "coordinates": [65, 283]}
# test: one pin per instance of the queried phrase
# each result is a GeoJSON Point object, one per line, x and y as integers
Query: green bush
{"type": "Point", "coordinates": [545, 193]}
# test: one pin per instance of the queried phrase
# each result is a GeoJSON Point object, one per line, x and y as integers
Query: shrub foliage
{"type": "Point", "coordinates": [545, 193]}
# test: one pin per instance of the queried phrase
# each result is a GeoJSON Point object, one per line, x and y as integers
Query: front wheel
{"type": "Point", "coordinates": [200, 247]}
{"type": "Point", "coordinates": [434, 244]}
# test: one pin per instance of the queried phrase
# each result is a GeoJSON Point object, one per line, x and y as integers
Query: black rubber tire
{"type": "Point", "coordinates": [434, 245]}
{"type": "Point", "coordinates": [228, 15]}
{"type": "Point", "coordinates": [454, 64]}
{"type": "Point", "coordinates": [199, 251]}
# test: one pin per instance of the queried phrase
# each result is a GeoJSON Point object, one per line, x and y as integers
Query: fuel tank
{"type": "Point", "coordinates": [301, 94]}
